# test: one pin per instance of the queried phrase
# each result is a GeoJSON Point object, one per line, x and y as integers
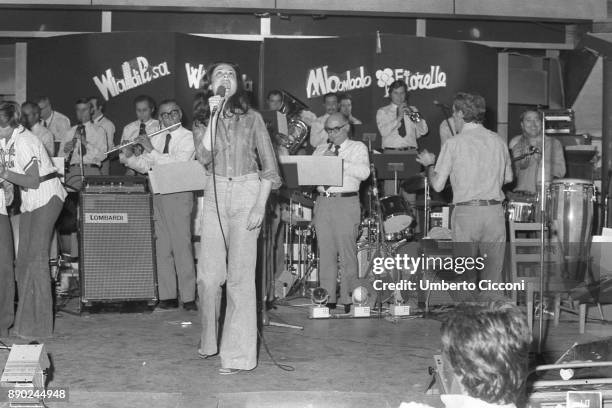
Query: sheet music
{"type": "Point", "coordinates": [177, 177]}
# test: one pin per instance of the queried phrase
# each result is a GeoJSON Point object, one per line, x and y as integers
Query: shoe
{"type": "Point", "coordinates": [168, 304]}
{"type": "Point", "coordinates": [347, 308]}
{"type": "Point", "coordinates": [190, 305]}
{"type": "Point", "coordinates": [331, 306]}
{"type": "Point", "coordinates": [229, 371]}
{"type": "Point", "coordinates": [205, 356]}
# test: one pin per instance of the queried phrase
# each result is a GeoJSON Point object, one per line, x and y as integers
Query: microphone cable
{"type": "Point", "coordinates": [283, 367]}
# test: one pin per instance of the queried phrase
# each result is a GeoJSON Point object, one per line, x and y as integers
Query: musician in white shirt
{"type": "Point", "coordinates": [83, 139]}
{"type": "Point", "coordinates": [56, 122]}
{"type": "Point", "coordinates": [103, 124]}
{"type": "Point", "coordinates": [172, 212]}
{"type": "Point", "coordinates": [145, 124]}
{"type": "Point", "coordinates": [26, 164]}
{"type": "Point", "coordinates": [337, 211]}
{"type": "Point", "coordinates": [318, 135]}
{"type": "Point", "coordinates": [31, 115]}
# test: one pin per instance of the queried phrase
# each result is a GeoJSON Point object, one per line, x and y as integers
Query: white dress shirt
{"type": "Point", "coordinates": [20, 151]}
{"type": "Point", "coordinates": [58, 124]}
{"type": "Point", "coordinates": [45, 136]}
{"type": "Point", "coordinates": [180, 149]}
{"type": "Point", "coordinates": [356, 165]}
{"type": "Point", "coordinates": [96, 145]}
{"type": "Point", "coordinates": [105, 125]}
{"type": "Point", "coordinates": [447, 132]}
{"type": "Point", "coordinates": [318, 135]}
{"type": "Point", "coordinates": [388, 125]}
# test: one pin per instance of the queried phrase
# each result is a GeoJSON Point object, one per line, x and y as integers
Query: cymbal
{"type": "Point", "coordinates": [414, 184]}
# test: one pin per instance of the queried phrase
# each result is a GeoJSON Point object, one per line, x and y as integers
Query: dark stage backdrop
{"type": "Point", "coordinates": [121, 66]}
{"type": "Point", "coordinates": [435, 69]}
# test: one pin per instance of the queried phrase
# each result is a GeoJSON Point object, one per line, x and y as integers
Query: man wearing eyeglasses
{"type": "Point", "coordinates": [337, 211]}
{"type": "Point", "coordinates": [172, 212]}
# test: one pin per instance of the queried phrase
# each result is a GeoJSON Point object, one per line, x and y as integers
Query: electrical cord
{"type": "Point", "coordinates": [283, 367]}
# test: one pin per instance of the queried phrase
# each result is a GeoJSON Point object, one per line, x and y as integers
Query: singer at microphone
{"type": "Point", "coordinates": [229, 145]}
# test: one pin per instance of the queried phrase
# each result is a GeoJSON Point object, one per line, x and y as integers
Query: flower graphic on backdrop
{"type": "Point", "coordinates": [385, 77]}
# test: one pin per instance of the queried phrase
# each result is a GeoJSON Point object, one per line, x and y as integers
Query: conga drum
{"type": "Point", "coordinates": [570, 207]}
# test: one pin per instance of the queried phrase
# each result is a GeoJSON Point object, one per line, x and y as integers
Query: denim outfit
{"type": "Point", "coordinates": [241, 141]}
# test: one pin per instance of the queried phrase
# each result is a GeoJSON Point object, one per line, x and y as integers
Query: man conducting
{"type": "Point", "coordinates": [172, 212]}
{"type": "Point", "coordinates": [337, 211]}
{"type": "Point", "coordinates": [478, 164]}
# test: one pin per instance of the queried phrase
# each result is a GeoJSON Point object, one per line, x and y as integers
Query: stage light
{"type": "Point", "coordinates": [319, 297]}
{"type": "Point", "coordinates": [360, 297]}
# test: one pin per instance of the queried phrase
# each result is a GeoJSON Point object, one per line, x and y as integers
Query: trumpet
{"type": "Point", "coordinates": [167, 129]}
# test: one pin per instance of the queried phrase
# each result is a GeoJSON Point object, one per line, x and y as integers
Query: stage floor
{"type": "Point", "coordinates": [150, 360]}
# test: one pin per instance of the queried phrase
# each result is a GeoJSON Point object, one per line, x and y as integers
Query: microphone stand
{"type": "Point", "coordinates": [447, 113]}
{"type": "Point", "coordinates": [81, 165]}
{"type": "Point", "coordinates": [542, 231]}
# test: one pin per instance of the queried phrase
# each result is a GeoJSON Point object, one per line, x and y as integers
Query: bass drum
{"type": "Point", "coordinates": [369, 258]}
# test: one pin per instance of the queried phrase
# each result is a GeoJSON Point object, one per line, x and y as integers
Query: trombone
{"type": "Point", "coordinates": [168, 129]}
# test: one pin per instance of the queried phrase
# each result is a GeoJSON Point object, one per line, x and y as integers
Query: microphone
{"type": "Point", "coordinates": [440, 104]}
{"type": "Point", "coordinates": [220, 92]}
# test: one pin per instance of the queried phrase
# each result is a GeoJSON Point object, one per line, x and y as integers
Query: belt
{"type": "Point", "coordinates": [49, 176]}
{"type": "Point", "coordinates": [95, 166]}
{"type": "Point", "coordinates": [402, 149]}
{"type": "Point", "coordinates": [326, 194]}
{"type": "Point", "coordinates": [478, 203]}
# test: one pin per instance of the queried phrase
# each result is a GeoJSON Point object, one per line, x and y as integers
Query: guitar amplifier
{"type": "Point", "coordinates": [117, 256]}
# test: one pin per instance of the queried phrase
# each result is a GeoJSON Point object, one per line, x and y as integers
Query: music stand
{"type": "Point", "coordinates": [394, 166]}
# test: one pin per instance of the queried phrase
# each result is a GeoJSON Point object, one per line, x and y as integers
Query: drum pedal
{"type": "Point", "coordinates": [400, 310]}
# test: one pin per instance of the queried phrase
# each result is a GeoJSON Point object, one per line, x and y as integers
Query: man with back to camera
{"type": "Point", "coordinates": [478, 164]}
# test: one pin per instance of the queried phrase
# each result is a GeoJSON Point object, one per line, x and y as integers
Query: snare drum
{"type": "Point", "coordinates": [397, 218]}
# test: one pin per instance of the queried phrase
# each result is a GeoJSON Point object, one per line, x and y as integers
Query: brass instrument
{"type": "Point", "coordinates": [168, 129]}
{"type": "Point", "coordinates": [297, 130]}
{"type": "Point", "coordinates": [415, 116]}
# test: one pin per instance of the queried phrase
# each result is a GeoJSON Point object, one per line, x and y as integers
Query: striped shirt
{"type": "Point", "coordinates": [19, 153]}
{"type": "Point", "coordinates": [58, 124]}
{"type": "Point", "coordinates": [45, 136]}
{"type": "Point", "coordinates": [96, 146]}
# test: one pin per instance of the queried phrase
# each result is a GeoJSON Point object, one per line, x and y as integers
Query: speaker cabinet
{"type": "Point", "coordinates": [117, 256]}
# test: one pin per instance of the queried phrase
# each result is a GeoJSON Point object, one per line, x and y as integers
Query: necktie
{"type": "Point", "coordinates": [45, 123]}
{"type": "Point", "coordinates": [402, 128]}
{"type": "Point", "coordinates": [81, 132]}
{"type": "Point", "coordinates": [143, 129]}
{"type": "Point", "coordinates": [336, 152]}
{"type": "Point", "coordinates": [167, 145]}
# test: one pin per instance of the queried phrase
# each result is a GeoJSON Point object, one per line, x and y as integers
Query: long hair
{"type": "Point", "coordinates": [13, 113]}
{"type": "Point", "coordinates": [237, 104]}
